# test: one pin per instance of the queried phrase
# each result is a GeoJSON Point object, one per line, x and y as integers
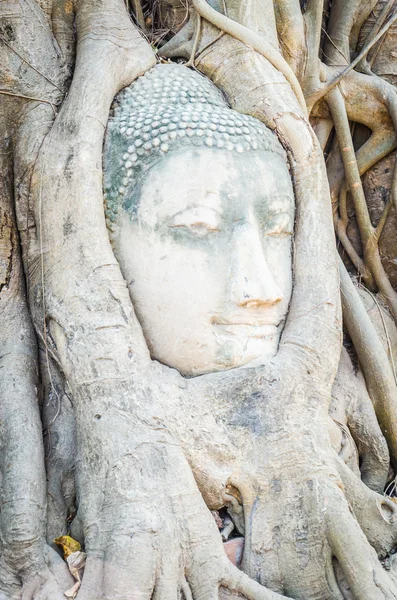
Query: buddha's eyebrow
{"type": "Point", "coordinates": [192, 207]}
{"type": "Point", "coordinates": [192, 196]}
{"type": "Point", "coordinates": [267, 201]}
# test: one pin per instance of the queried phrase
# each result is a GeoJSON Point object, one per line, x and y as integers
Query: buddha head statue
{"type": "Point", "coordinates": [200, 208]}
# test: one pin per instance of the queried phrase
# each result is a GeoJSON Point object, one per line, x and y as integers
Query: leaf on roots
{"type": "Point", "coordinates": [68, 545]}
{"type": "Point", "coordinates": [72, 592]}
{"type": "Point", "coordinates": [76, 564]}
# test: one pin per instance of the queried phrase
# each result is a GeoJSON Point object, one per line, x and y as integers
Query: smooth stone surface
{"type": "Point", "coordinates": [204, 244]}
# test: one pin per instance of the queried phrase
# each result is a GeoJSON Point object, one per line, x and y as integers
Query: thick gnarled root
{"type": "Point", "coordinates": [359, 432]}
{"type": "Point", "coordinates": [46, 576]}
{"type": "Point", "coordinates": [376, 514]}
{"type": "Point", "coordinates": [296, 533]}
{"type": "Point", "coordinates": [359, 562]}
{"type": "Point", "coordinates": [153, 536]}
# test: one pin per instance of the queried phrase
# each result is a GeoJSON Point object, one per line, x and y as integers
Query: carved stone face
{"type": "Point", "coordinates": [205, 246]}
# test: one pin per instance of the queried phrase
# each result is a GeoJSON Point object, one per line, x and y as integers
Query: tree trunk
{"type": "Point", "coordinates": [269, 479]}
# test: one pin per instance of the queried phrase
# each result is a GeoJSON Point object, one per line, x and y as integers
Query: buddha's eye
{"type": "Point", "coordinates": [199, 220]}
{"type": "Point", "coordinates": [199, 229]}
{"type": "Point", "coordinates": [279, 234]}
{"type": "Point", "coordinates": [279, 226]}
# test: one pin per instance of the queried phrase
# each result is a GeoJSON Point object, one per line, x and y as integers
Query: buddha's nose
{"type": "Point", "coordinates": [252, 281]}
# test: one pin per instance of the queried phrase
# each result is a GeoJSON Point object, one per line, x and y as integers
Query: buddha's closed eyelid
{"type": "Point", "coordinates": [278, 225]}
{"type": "Point", "coordinates": [279, 233]}
{"type": "Point", "coordinates": [200, 217]}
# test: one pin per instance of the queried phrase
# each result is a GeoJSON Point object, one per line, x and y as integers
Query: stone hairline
{"type": "Point", "coordinates": [167, 109]}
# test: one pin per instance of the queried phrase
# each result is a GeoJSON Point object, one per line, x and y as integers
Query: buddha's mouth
{"type": "Point", "coordinates": [258, 328]}
{"type": "Point", "coordinates": [249, 331]}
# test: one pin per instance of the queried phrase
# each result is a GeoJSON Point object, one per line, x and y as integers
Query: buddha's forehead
{"type": "Point", "coordinates": [221, 180]}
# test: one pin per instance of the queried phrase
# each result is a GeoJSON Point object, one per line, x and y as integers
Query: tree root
{"type": "Point", "coordinates": [375, 513]}
{"type": "Point", "coordinates": [363, 571]}
{"type": "Point", "coordinates": [368, 233]}
{"type": "Point", "coordinates": [291, 33]}
{"type": "Point", "coordinates": [377, 371]}
{"type": "Point", "coordinates": [379, 145]}
{"type": "Point", "coordinates": [253, 40]}
{"type": "Point", "coordinates": [157, 542]}
{"type": "Point", "coordinates": [190, 62]}
{"type": "Point", "coordinates": [345, 22]}
{"type": "Point", "coordinates": [352, 409]}
{"type": "Point", "coordinates": [25, 559]}
{"type": "Point", "coordinates": [329, 86]}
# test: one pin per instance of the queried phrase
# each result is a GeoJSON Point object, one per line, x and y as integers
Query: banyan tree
{"type": "Point", "coordinates": [198, 299]}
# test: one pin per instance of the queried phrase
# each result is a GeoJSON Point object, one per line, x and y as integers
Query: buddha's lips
{"type": "Point", "coordinates": [252, 329]}
{"type": "Point", "coordinates": [254, 321]}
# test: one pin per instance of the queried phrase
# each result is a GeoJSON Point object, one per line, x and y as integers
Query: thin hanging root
{"type": "Point", "coordinates": [31, 66]}
{"type": "Point", "coordinates": [316, 96]}
{"type": "Point", "coordinates": [138, 12]}
{"type": "Point", "coordinates": [345, 21]}
{"type": "Point", "coordinates": [6, 93]}
{"type": "Point", "coordinates": [379, 145]}
{"type": "Point", "coordinates": [382, 221]}
{"type": "Point", "coordinates": [373, 359]}
{"type": "Point", "coordinates": [381, 19]}
{"type": "Point", "coordinates": [375, 29]}
{"type": "Point", "coordinates": [372, 260]}
{"type": "Point", "coordinates": [341, 225]}
{"type": "Point", "coordinates": [378, 24]}
{"type": "Point", "coordinates": [392, 106]}
{"type": "Point", "coordinates": [254, 41]}
{"type": "Point", "coordinates": [190, 62]}
{"type": "Point", "coordinates": [343, 205]}
{"type": "Point", "coordinates": [340, 228]}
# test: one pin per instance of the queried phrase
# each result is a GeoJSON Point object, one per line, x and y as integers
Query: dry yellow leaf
{"type": "Point", "coordinates": [68, 545]}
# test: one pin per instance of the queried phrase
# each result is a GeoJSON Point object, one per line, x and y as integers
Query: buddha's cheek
{"type": "Point", "coordinates": [176, 288]}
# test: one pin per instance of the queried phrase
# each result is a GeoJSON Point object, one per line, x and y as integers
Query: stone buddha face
{"type": "Point", "coordinates": [200, 207]}
{"type": "Point", "coordinates": [204, 243]}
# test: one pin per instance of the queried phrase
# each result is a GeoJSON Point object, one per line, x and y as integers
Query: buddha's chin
{"type": "Point", "coordinates": [231, 354]}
